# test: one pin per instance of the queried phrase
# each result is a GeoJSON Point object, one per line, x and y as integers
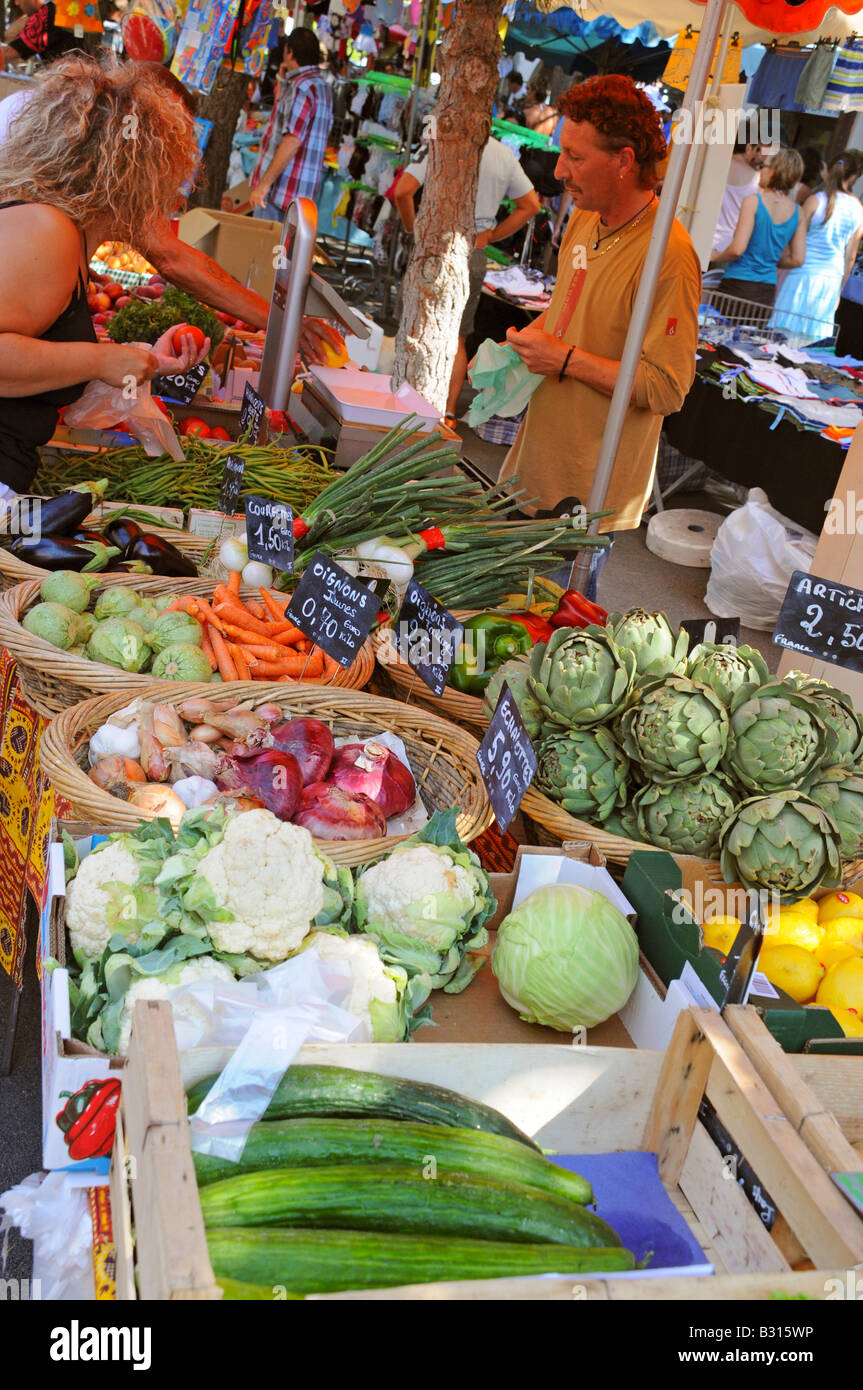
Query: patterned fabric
{"type": "Point", "coordinates": [845, 88]}
{"type": "Point", "coordinates": [496, 430]}
{"type": "Point", "coordinates": [306, 111]}
{"type": "Point", "coordinates": [41, 35]}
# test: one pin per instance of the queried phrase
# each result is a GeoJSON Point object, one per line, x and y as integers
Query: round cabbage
{"type": "Point", "coordinates": [566, 957]}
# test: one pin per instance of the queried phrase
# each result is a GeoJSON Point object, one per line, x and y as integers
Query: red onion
{"type": "Point", "coordinates": [373, 771]}
{"type": "Point", "coordinates": [272, 776]}
{"type": "Point", "coordinates": [311, 743]}
{"type": "Point", "coordinates": [328, 813]}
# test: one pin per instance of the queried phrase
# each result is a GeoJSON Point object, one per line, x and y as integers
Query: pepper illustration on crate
{"type": "Point", "coordinates": [88, 1118]}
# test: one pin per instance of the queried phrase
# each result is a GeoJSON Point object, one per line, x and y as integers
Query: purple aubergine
{"type": "Point", "coordinates": [311, 743]}
{"type": "Point", "coordinates": [372, 770]}
{"type": "Point", "coordinates": [328, 813]}
{"type": "Point", "coordinates": [272, 775]}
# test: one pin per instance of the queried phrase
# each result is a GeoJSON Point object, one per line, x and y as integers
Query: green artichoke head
{"type": "Point", "coordinates": [783, 843]}
{"type": "Point", "coordinates": [778, 739]}
{"type": "Point", "coordinates": [684, 817]}
{"type": "Point", "coordinates": [580, 677]}
{"type": "Point", "coordinates": [584, 771]}
{"type": "Point", "coordinates": [621, 822]}
{"type": "Point", "coordinates": [515, 674]}
{"type": "Point", "coordinates": [836, 710]}
{"type": "Point", "coordinates": [675, 729]}
{"type": "Point", "coordinates": [657, 649]}
{"type": "Point", "coordinates": [726, 668]}
{"type": "Point", "coordinates": [839, 792]}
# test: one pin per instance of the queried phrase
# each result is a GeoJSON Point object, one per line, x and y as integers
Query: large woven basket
{"type": "Point", "coordinates": [452, 704]}
{"type": "Point", "coordinates": [52, 679]}
{"type": "Point", "coordinates": [556, 827]}
{"type": "Point", "coordinates": [14, 571]}
{"type": "Point", "coordinates": [442, 757]}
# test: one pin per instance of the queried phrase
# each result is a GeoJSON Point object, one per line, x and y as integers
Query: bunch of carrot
{"type": "Point", "coordinates": [248, 639]}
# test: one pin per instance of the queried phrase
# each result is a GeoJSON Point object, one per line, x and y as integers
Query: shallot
{"type": "Point", "coordinates": [311, 743]}
{"type": "Point", "coordinates": [117, 776]}
{"type": "Point", "coordinates": [272, 775]}
{"type": "Point", "coordinates": [157, 800]}
{"type": "Point", "coordinates": [329, 813]}
{"type": "Point", "coordinates": [372, 770]}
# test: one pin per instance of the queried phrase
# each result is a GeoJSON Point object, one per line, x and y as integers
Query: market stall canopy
{"type": "Point", "coordinates": [562, 38]}
{"type": "Point", "coordinates": [672, 16]}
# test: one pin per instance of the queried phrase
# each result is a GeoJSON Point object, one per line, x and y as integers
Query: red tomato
{"type": "Point", "coordinates": [184, 330]}
{"type": "Point", "coordinates": [219, 432]}
{"type": "Point", "coordinates": [195, 427]}
{"type": "Point", "coordinates": [157, 400]}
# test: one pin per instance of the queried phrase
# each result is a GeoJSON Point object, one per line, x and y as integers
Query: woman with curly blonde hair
{"type": "Point", "coordinates": [97, 154]}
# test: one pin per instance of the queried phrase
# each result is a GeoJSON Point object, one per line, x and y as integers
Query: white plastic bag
{"type": "Point", "coordinates": [52, 1210]}
{"type": "Point", "coordinates": [103, 406]}
{"type": "Point", "coordinates": [753, 557]}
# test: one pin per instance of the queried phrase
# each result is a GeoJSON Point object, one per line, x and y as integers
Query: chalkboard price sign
{"type": "Point", "coordinates": [506, 760]}
{"type": "Point", "coordinates": [270, 532]}
{"type": "Point", "coordinates": [822, 619]}
{"type": "Point", "coordinates": [183, 387]}
{"type": "Point", "coordinates": [427, 636]}
{"type": "Point", "coordinates": [251, 414]}
{"type": "Point", "coordinates": [332, 609]}
{"type": "Point", "coordinates": [232, 481]}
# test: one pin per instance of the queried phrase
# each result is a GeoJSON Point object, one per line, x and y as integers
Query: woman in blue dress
{"type": "Point", "coordinates": [768, 222]}
{"type": "Point", "coordinates": [809, 293]}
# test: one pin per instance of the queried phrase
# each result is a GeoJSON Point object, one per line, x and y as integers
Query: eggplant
{"type": "Point", "coordinates": [162, 557]}
{"type": "Point", "coordinates": [122, 532]}
{"type": "Point", "coordinates": [130, 567]}
{"type": "Point", "coordinates": [97, 536]}
{"type": "Point", "coordinates": [59, 516]}
{"type": "Point", "coordinates": [54, 553]}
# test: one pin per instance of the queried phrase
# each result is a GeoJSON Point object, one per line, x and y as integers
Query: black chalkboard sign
{"type": "Point", "coordinates": [427, 636]}
{"type": "Point", "coordinates": [506, 760]}
{"type": "Point", "coordinates": [823, 619]}
{"type": "Point", "coordinates": [183, 387]}
{"type": "Point", "coordinates": [232, 481]}
{"type": "Point", "coordinates": [270, 532]}
{"type": "Point", "coordinates": [712, 630]}
{"type": "Point", "coordinates": [251, 414]}
{"type": "Point", "coordinates": [332, 609]}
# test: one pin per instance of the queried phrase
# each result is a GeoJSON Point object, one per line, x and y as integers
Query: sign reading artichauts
{"type": "Point", "coordinates": [822, 619]}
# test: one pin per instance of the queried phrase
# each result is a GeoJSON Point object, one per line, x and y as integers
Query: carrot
{"type": "Point", "coordinates": [186, 603]}
{"type": "Point", "coordinates": [234, 583]}
{"type": "Point", "coordinates": [235, 613]}
{"type": "Point", "coordinates": [249, 635]}
{"type": "Point", "coordinates": [256, 609]}
{"type": "Point", "coordinates": [205, 614]}
{"type": "Point", "coordinates": [207, 648]}
{"type": "Point", "coordinates": [291, 665]}
{"type": "Point", "coordinates": [239, 659]}
{"type": "Point", "coordinates": [227, 669]}
{"type": "Point", "coordinates": [314, 664]}
{"type": "Point", "coordinates": [331, 667]}
{"type": "Point", "coordinates": [265, 651]}
{"type": "Point", "coordinates": [272, 605]}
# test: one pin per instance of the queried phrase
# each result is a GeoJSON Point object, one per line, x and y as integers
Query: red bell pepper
{"type": "Point", "coordinates": [539, 628]}
{"type": "Point", "coordinates": [574, 610]}
{"type": "Point", "coordinates": [88, 1118]}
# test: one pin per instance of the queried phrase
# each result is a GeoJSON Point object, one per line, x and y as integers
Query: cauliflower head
{"type": "Point", "coordinates": [378, 991]}
{"type": "Point", "coordinates": [417, 888]}
{"type": "Point", "coordinates": [161, 986]}
{"type": "Point", "coordinates": [262, 887]}
{"type": "Point", "coordinates": [93, 914]}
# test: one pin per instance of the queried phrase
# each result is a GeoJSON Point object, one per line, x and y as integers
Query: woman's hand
{"type": "Point", "coordinates": [172, 363]}
{"type": "Point", "coordinates": [120, 361]}
{"type": "Point", "coordinates": [541, 352]}
{"type": "Point", "coordinates": [310, 340]}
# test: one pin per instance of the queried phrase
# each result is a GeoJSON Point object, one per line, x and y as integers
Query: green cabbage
{"type": "Point", "coordinates": [181, 662]}
{"type": "Point", "coordinates": [119, 642]}
{"type": "Point", "coordinates": [171, 628]}
{"type": "Point", "coordinates": [566, 958]}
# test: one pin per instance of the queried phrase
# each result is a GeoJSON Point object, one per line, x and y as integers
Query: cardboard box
{"type": "Point", "coordinates": [243, 246]}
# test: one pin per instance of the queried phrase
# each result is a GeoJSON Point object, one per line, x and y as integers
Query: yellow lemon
{"type": "Point", "coordinates": [842, 986]}
{"type": "Point", "coordinates": [847, 929]}
{"type": "Point", "coordinates": [789, 929]}
{"type": "Point", "coordinates": [850, 1023]}
{"type": "Point", "coordinates": [805, 907]}
{"type": "Point", "coordinates": [719, 932]}
{"type": "Point", "coordinates": [792, 969]}
{"type": "Point", "coordinates": [830, 953]}
{"type": "Point", "coordinates": [839, 905]}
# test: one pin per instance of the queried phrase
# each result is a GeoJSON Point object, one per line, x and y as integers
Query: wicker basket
{"type": "Point", "coordinates": [52, 680]}
{"type": "Point", "coordinates": [443, 757]}
{"type": "Point", "coordinates": [14, 571]}
{"type": "Point", "coordinates": [452, 704]}
{"type": "Point", "coordinates": [556, 826]}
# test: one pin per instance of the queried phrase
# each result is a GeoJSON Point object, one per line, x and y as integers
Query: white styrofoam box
{"type": "Point", "coordinates": [366, 353]}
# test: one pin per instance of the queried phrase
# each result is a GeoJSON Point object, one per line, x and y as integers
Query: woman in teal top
{"type": "Point", "coordinates": [768, 221]}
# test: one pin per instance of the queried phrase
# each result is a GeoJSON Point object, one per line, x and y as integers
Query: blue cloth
{"type": "Point", "coordinates": [807, 298]}
{"type": "Point", "coordinates": [270, 212]}
{"type": "Point", "coordinates": [760, 260]}
{"type": "Point", "coordinates": [775, 82]}
{"type": "Point", "coordinates": [598, 561]}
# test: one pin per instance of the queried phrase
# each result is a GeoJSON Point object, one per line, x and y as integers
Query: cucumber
{"type": "Point", "coordinates": [327, 1261]}
{"type": "Point", "coordinates": [389, 1198]}
{"type": "Point", "coordinates": [322, 1143]}
{"type": "Point", "coordinates": [234, 1290]}
{"type": "Point", "coordinates": [337, 1092]}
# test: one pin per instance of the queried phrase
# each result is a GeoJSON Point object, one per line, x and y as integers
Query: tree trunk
{"type": "Point", "coordinates": [222, 106]}
{"type": "Point", "coordinates": [436, 282]}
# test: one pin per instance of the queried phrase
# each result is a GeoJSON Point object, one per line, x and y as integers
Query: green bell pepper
{"type": "Point", "coordinates": [489, 640]}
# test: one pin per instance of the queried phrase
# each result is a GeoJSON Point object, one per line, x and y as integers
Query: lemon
{"type": "Point", "coordinates": [849, 1022]}
{"type": "Point", "coordinates": [793, 969]}
{"type": "Point", "coordinates": [830, 953]}
{"type": "Point", "coordinates": [719, 932]}
{"type": "Point", "coordinates": [790, 929]}
{"type": "Point", "coordinates": [846, 929]}
{"type": "Point", "coordinates": [805, 907]}
{"type": "Point", "coordinates": [839, 905]}
{"type": "Point", "coordinates": [842, 986]}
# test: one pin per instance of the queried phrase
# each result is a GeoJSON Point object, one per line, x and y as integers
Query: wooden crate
{"type": "Point", "coordinates": [574, 1099]}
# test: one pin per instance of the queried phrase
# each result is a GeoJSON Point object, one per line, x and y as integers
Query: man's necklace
{"type": "Point", "coordinates": [618, 232]}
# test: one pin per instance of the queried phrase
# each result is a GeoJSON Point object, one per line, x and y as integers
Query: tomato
{"type": "Point", "coordinates": [157, 400]}
{"type": "Point", "coordinates": [193, 426]}
{"type": "Point", "coordinates": [219, 432]}
{"type": "Point", "coordinates": [187, 330]}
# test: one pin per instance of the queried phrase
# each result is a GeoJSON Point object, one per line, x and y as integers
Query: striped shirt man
{"type": "Point", "coordinates": [305, 111]}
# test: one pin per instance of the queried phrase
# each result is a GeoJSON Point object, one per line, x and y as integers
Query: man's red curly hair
{"type": "Point", "coordinates": [623, 116]}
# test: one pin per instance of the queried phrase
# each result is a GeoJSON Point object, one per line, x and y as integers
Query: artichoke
{"type": "Point", "coordinates": [685, 817]}
{"type": "Point", "coordinates": [778, 738]}
{"type": "Point", "coordinates": [782, 843]}
{"type": "Point", "coordinates": [515, 674]}
{"type": "Point", "coordinates": [837, 711]}
{"type": "Point", "coordinates": [657, 650]}
{"type": "Point", "coordinates": [583, 771]}
{"type": "Point", "coordinates": [675, 729]}
{"type": "Point", "coordinates": [839, 792]}
{"type": "Point", "coordinates": [621, 822]}
{"type": "Point", "coordinates": [726, 668]}
{"type": "Point", "coordinates": [580, 677]}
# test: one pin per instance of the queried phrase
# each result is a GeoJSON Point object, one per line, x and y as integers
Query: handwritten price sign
{"type": "Point", "coordinates": [506, 760]}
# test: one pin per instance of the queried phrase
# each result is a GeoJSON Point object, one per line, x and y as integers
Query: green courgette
{"type": "Point", "coordinates": [307, 1262]}
{"type": "Point", "coordinates": [323, 1143]}
{"type": "Point", "coordinates": [389, 1198]}
{"type": "Point", "coordinates": [238, 1290]}
{"type": "Point", "coordinates": [337, 1092]}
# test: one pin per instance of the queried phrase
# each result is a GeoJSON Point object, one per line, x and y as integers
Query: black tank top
{"type": "Point", "coordinates": [26, 422]}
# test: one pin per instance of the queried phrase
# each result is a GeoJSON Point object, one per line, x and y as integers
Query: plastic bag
{"type": "Point", "coordinates": [104, 407]}
{"type": "Point", "coordinates": [753, 557]}
{"type": "Point", "coordinates": [504, 384]}
{"type": "Point", "coordinates": [52, 1210]}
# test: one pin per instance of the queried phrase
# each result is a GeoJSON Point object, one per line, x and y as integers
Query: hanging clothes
{"type": "Point", "coordinates": [815, 77]}
{"type": "Point", "coordinates": [775, 82]}
{"type": "Point", "coordinates": [845, 88]}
